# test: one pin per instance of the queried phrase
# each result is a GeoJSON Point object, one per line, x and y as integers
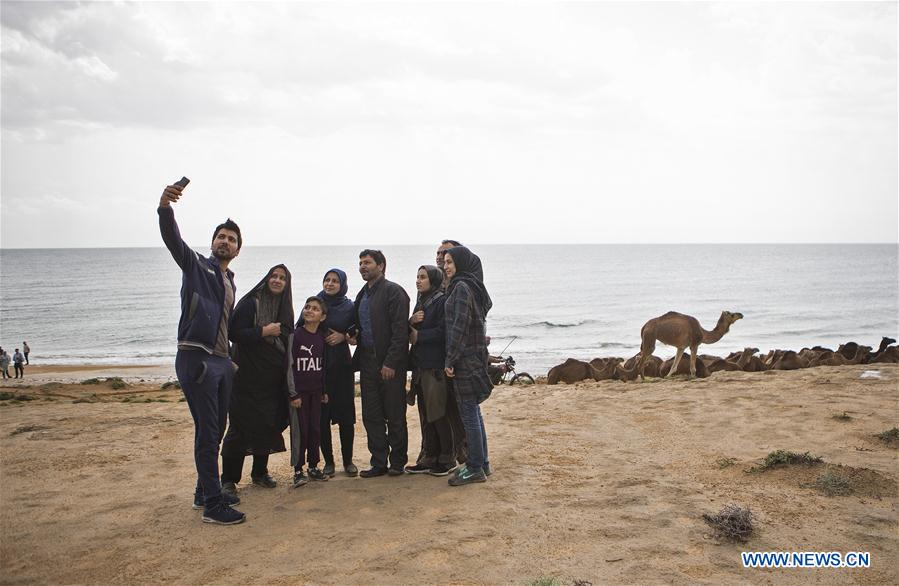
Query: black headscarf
{"type": "Point", "coordinates": [470, 272]}
{"type": "Point", "coordinates": [340, 308]}
{"type": "Point", "coordinates": [272, 308]}
{"type": "Point", "coordinates": [435, 277]}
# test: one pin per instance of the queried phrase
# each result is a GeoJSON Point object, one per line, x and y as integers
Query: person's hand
{"type": "Point", "coordinates": [413, 335]}
{"type": "Point", "coordinates": [334, 338]}
{"type": "Point", "coordinates": [387, 373]}
{"type": "Point", "coordinates": [325, 399]}
{"type": "Point", "coordinates": [417, 317]}
{"type": "Point", "coordinates": [351, 340]}
{"type": "Point", "coordinates": [272, 329]}
{"type": "Point", "coordinates": [450, 372]}
{"type": "Point", "coordinates": [170, 195]}
{"type": "Point", "coordinates": [296, 403]}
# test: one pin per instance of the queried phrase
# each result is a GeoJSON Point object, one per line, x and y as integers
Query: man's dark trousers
{"type": "Point", "coordinates": [383, 412]}
{"type": "Point", "coordinates": [206, 383]}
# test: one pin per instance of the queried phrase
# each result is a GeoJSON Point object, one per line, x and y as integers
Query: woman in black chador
{"type": "Point", "coordinates": [339, 378]}
{"type": "Point", "coordinates": [259, 327]}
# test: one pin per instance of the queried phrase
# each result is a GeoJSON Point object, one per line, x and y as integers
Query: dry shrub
{"type": "Point", "coordinates": [733, 523]}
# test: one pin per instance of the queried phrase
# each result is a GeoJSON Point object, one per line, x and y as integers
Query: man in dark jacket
{"type": "Point", "coordinates": [202, 364]}
{"type": "Point", "coordinates": [382, 308]}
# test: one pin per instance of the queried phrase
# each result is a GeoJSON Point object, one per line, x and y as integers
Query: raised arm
{"type": "Point", "coordinates": [181, 252]}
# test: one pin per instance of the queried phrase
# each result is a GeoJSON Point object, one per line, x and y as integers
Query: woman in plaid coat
{"type": "Point", "coordinates": [466, 310]}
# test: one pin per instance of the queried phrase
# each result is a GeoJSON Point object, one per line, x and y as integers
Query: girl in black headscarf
{"type": "Point", "coordinates": [466, 310]}
{"type": "Point", "coordinates": [339, 378]}
{"type": "Point", "coordinates": [259, 327]}
{"type": "Point", "coordinates": [428, 337]}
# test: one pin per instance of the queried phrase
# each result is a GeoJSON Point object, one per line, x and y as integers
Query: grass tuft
{"type": "Point", "coordinates": [843, 417]}
{"type": "Point", "coordinates": [889, 436]}
{"type": "Point", "coordinates": [733, 523]}
{"type": "Point", "coordinates": [117, 383]}
{"type": "Point", "coordinates": [781, 458]}
{"type": "Point", "coordinates": [91, 381]}
{"type": "Point", "coordinates": [831, 485]}
{"type": "Point", "coordinates": [722, 463]}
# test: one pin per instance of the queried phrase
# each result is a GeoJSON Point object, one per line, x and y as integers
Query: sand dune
{"type": "Point", "coordinates": [600, 482]}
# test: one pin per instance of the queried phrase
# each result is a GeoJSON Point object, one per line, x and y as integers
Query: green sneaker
{"type": "Point", "coordinates": [467, 476]}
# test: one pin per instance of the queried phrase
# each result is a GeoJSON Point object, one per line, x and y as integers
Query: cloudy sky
{"type": "Point", "coordinates": [490, 122]}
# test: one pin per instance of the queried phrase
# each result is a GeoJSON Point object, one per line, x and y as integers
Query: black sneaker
{"type": "Point", "coordinates": [487, 470]}
{"type": "Point", "coordinates": [372, 472]}
{"type": "Point", "coordinates": [222, 514]}
{"type": "Point", "coordinates": [418, 469]}
{"type": "Point", "coordinates": [316, 474]}
{"type": "Point", "coordinates": [329, 470]}
{"type": "Point", "coordinates": [229, 493]}
{"type": "Point", "coordinates": [439, 470]}
{"type": "Point", "coordinates": [350, 470]}
{"type": "Point", "coordinates": [467, 476]}
{"type": "Point", "coordinates": [228, 499]}
{"type": "Point", "coordinates": [265, 481]}
{"type": "Point", "coordinates": [395, 471]}
{"type": "Point", "coordinates": [299, 479]}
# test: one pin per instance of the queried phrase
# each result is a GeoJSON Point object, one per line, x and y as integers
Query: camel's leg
{"type": "Point", "coordinates": [647, 347]}
{"type": "Point", "coordinates": [693, 350]}
{"type": "Point", "coordinates": [674, 364]}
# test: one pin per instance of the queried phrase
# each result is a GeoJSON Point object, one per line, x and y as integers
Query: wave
{"type": "Point", "coordinates": [552, 324]}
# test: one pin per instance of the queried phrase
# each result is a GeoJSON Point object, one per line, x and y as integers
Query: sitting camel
{"type": "Point", "coordinates": [681, 331]}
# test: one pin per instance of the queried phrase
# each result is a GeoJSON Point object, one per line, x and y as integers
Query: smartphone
{"type": "Point", "coordinates": [182, 183]}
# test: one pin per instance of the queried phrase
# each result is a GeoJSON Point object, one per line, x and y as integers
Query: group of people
{"type": "Point", "coordinates": [18, 359]}
{"type": "Point", "coordinates": [251, 367]}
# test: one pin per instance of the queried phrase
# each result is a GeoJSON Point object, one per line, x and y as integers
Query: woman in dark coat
{"type": "Point", "coordinates": [466, 310]}
{"type": "Point", "coordinates": [428, 338]}
{"type": "Point", "coordinates": [340, 382]}
{"type": "Point", "coordinates": [259, 327]}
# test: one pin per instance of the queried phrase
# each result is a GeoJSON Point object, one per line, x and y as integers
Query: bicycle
{"type": "Point", "coordinates": [500, 373]}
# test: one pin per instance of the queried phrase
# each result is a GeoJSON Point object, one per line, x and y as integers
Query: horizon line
{"type": "Point", "coordinates": [855, 243]}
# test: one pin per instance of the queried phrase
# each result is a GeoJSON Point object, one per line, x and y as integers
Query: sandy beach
{"type": "Point", "coordinates": [600, 482]}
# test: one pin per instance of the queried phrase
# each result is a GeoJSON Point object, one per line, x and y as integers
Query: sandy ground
{"type": "Point", "coordinates": [600, 482]}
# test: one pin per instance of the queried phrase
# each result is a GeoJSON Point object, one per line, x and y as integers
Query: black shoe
{"type": "Point", "coordinates": [440, 470]}
{"type": "Point", "coordinates": [222, 514]}
{"type": "Point", "coordinates": [350, 470]}
{"type": "Point", "coordinates": [265, 481]}
{"type": "Point", "coordinates": [372, 472]}
{"type": "Point", "coordinates": [487, 470]}
{"type": "Point", "coordinates": [329, 470]}
{"type": "Point", "coordinates": [395, 471]}
{"type": "Point", "coordinates": [316, 474]}
{"type": "Point", "coordinates": [229, 493]}
{"type": "Point", "coordinates": [299, 479]}
{"type": "Point", "coordinates": [418, 469]}
{"type": "Point", "coordinates": [227, 498]}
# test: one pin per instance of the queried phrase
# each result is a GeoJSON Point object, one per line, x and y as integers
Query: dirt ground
{"type": "Point", "coordinates": [595, 482]}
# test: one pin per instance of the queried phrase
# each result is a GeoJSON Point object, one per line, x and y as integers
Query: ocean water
{"type": "Point", "coordinates": [120, 306]}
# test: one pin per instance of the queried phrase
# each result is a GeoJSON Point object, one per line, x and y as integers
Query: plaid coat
{"type": "Point", "coordinates": [466, 344]}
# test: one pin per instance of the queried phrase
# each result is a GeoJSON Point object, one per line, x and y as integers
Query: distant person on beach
{"type": "Point", "coordinates": [306, 390]}
{"type": "Point", "coordinates": [382, 311]}
{"type": "Point", "coordinates": [427, 333]}
{"type": "Point", "coordinates": [259, 329]}
{"type": "Point", "coordinates": [18, 364]}
{"type": "Point", "coordinates": [340, 381]}
{"type": "Point", "coordinates": [203, 365]}
{"type": "Point", "coordinates": [466, 310]}
{"type": "Point", "coordinates": [4, 363]}
{"type": "Point", "coordinates": [26, 349]}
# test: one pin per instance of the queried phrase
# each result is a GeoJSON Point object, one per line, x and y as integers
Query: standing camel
{"type": "Point", "coordinates": [681, 331]}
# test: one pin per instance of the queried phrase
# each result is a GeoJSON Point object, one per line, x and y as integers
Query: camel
{"type": "Point", "coordinates": [570, 371]}
{"type": "Point", "coordinates": [734, 361]}
{"type": "Point", "coordinates": [890, 354]}
{"type": "Point", "coordinates": [604, 369]}
{"type": "Point", "coordinates": [789, 360]}
{"type": "Point", "coordinates": [651, 365]}
{"type": "Point", "coordinates": [884, 342]}
{"type": "Point", "coordinates": [681, 331]}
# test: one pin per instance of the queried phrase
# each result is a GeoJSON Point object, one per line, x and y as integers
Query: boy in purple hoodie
{"type": "Point", "coordinates": [306, 387]}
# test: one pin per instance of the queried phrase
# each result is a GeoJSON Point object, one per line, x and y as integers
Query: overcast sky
{"type": "Point", "coordinates": [490, 123]}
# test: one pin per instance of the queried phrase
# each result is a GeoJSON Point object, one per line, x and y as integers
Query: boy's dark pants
{"type": "Point", "coordinates": [206, 383]}
{"type": "Point", "coordinates": [310, 418]}
{"type": "Point", "coordinates": [383, 413]}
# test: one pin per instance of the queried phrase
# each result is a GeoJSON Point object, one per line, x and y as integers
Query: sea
{"type": "Point", "coordinates": [550, 302]}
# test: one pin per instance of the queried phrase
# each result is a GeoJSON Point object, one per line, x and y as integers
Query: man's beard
{"type": "Point", "coordinates": [223, 254]}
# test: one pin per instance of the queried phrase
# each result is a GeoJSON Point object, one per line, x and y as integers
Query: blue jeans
{"type": "Point", "coordinates": [475, 433]}
{"type": "Point", "coordinates": [206, 383]}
